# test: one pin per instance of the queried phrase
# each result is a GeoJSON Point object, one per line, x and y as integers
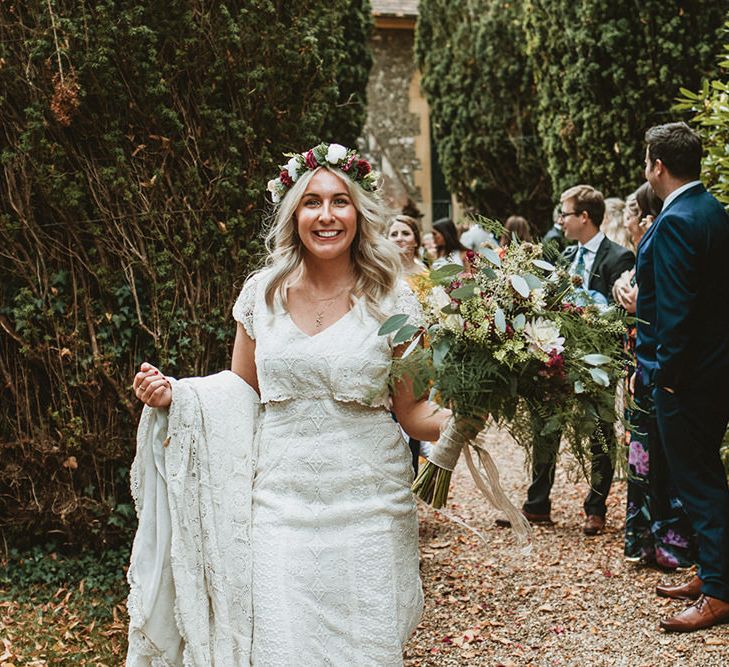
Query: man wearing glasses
{"type": "Point", "coordinates": [598, 262]}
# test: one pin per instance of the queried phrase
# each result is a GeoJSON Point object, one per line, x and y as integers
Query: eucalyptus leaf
{"type": "Point", "coordinates": [541, 264]}
{"type": "Point", "coordinates": [500, 320]}
{"type": "Point", "coordinates": [532, 281]}
{"type": "Point", "coordinates": [600, 377]}
{"type": "Point", "coordinates": [520, 286]}
{"type": "Point", "coordinates": [579, 387]}
{"type": "Point", "coordinates": [406, 333]}
{"type": "Point", "coordinates": [488, 273]}
{"type": "Point", "coordinates": [440, 350]}
{"type": "Point", "coordinates": [596, 359]}
{"type": "Point", "coordinates": [491, 255]}
{"type": "Point", "coordinates": [412, 346]}
{"type": "Point", "coordinates": [392, 324]}
{"type": "Point", "coordinates": [519, 322]}
{"type": "Point", "coordinates": [464, 292]}
{"type": "Point", "coordinates": [445, 273]}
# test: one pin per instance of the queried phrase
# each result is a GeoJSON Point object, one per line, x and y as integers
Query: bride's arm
{"type": "Point", "coordinates": [243, 363]}
{"type": "Point", "coordinates": [420, 418]}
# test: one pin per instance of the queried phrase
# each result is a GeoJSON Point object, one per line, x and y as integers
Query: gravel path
{"type": "Point", "coordinates": [573, 601]}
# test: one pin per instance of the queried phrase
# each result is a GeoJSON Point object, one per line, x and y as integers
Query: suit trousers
{"type": "Point", "coordinates": [692, 424]}
{"type": "Point", "coordinates": [544, 463]}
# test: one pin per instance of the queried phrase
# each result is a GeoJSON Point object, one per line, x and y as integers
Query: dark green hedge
{"type": "Point", "coordinates": [480, 88]}
{"type": "Point", "coordinates": [137, 139]}
{"type": "Point", "coordinates": [531, 96]}
{"type": "Point", "coordinates": [605, 72]}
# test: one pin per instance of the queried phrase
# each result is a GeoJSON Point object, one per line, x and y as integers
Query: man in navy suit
{"type": "Point", "coordinates": [683, 346]}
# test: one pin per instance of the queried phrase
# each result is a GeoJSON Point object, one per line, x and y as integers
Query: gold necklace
{"type": "Point", "coordinates": [319, 314]}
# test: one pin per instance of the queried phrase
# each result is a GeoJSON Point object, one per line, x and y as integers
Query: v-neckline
{"type": "Point", "coordinates": [318, 333]}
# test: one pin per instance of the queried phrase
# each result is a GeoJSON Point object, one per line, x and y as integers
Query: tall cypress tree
{"type": "Point", "coordinates": [479, 85]}
{"type": "Point", "coordinates": [606, 71]}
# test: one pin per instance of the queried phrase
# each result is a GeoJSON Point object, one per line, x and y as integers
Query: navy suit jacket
{"type": "Point", "coordinates": [683, 294]}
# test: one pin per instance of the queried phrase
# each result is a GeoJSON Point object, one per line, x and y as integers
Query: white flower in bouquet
{"type": "Point", "coordinates": [537, 299]}
{"type": "Point", "coordinates": [438, 298]}
{"type": "Point", "coordinates": [335, 153]}
{"type": "Point", "coordinates": [543, 335]}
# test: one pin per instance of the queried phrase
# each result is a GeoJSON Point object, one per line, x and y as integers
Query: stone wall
{"type": "Point", "coordinates": [396, 135]}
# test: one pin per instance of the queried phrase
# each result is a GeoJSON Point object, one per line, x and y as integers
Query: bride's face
{"type": "Point", "coordinates": [326, 217]}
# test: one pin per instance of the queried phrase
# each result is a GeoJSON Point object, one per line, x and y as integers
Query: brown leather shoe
{"type": "Point", "coordinates": [540, 519]}
{"type": "Point", "coordinates": [689, 591]}
{"type": "Point", "coordinates": [594, 525]}
{"type": "Point", "coordinates": [703, 613]}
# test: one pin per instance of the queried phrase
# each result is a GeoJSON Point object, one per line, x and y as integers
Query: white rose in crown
{"type": "Point", "coordinates": [335, 153]}
{"type": "Point", "coordinates": [273, 188]}
{"type": "Point", "coordinates": [541, 334]}
{"type": "Point", "coordinates": [292, 167]}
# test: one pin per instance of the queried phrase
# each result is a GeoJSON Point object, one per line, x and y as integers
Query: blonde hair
{"type": "Point", "coordinates": [612, 223]}
{"type": "Point", "coordinates": [375, 260]}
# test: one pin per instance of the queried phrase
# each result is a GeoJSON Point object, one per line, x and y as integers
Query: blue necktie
{"type": "Point", "coordinates": [580, 264]}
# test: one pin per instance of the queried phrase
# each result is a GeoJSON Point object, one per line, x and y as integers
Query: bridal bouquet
{"type": "Point", "coordinates": [513, 335]}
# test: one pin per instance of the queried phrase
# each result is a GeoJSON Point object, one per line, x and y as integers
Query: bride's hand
{"type": "Point", "coordinates": [152, 387]}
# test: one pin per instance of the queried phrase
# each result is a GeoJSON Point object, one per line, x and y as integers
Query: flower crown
{"type": "Point", "coordinates": [323, 155]}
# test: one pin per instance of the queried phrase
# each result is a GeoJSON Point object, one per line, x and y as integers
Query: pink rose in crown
{"type": "Point", "coordinates": [310, 160]}
{"type": "Point", "coordinates": [285, 178]}
{"type": "Point", "coordinates": [349, 164]}
{"type": "Point", "coordinates": [363, 168]}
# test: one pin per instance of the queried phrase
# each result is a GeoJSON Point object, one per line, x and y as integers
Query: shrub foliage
{"type": "Point", "coordinates": [605, 72]}
{"type": "Point", "coordinates": [137, 139]}
{"type": "Point", "coordinates": [710, 107]}
{"type": "Point", "coordinates": [479, 85]}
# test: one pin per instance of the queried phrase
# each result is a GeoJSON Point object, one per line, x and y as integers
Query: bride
{"type": "Point", "coordinates": [331, 536]}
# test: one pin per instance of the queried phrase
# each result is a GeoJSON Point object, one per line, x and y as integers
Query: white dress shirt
{"type": "Point", "coordinates": [678, 191]}
{"type": "Point", "coordinates": [589, 257]}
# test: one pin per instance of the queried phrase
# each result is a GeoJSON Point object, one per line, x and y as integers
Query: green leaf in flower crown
{"type": "Point", "coordinates": [406, 333]}
{"type": "Point", "coordinates": [579, 387]}
{"type": "Point", "coordinates": [464, 291]}
{"type": "Point", "coordinates": [596, 359]}
{"type": "Point", "coordinates": [440, 350]}
{"type": "Point", "coordinates": [520, 286]}
{"type": "Point", "coordinates": [490, 255]}
{"type": "Point", "coordinates": [532, 281]}
{"type": "Point", "coordinates": [444, 274]}
{"type": "Point", "coordinates": [600, 377]}
{"type": "Point", "coordinates": [412, 346]}
{"type": "Point", "coordinates": [541, 264]}
{"type": "Point", "coordinates": [500, 320]}
{"type": "Point", "coordinates": [519, 322]}
{"type": "Point", "coordinates": [392, 324]}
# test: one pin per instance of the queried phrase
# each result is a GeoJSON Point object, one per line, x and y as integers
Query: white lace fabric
{"type": "Point", "coordinates": [296, 546]}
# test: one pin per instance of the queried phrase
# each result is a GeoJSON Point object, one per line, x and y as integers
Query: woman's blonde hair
{"type": "Point", "coordinates": [375, 260]}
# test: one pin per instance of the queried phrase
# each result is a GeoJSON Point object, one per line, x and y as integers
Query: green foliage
{"type": "Point", "coordinates": [479, 85]}
{"type": "Point", "coordinates": [711, 108]}
{"type": "Point", "coordinates": [137, 141]}
{"type": "Point", "coordinates": [607, 71]}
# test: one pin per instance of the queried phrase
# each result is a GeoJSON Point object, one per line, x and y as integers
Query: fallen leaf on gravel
{"type": "Point", "coordinates": [714, 641]}
{"type": "Point", "coordinates": [439, 545]}
{"type": "Point", "coordinates": [546, 608]}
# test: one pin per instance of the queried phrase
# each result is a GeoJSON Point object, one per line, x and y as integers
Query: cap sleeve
{"type": "Point", "coordinates": [407, 303]}
{"type": "Point", "coordinates": [244, 306]}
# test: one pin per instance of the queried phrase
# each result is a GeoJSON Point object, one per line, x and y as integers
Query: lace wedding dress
{"type": "Point", "coordinates": [335, 577]}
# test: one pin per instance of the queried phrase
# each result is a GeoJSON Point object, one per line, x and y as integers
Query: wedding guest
{"type": "Point", "coordinates": [476, 237]}
{"type": "Point", "coordinates": [612, 223]}
{"type": "Point", "coordinates": [449, 250]}
{"type": "Point", "coordinates": [297, 542]}
{"type": "Point", "coordinates": [657, 530]}
{"type": "Point", "coordinates": [554, 242]}
{"type": "Point", "coordinates": [404, 232]}
{"type": "Point", "coordinates": [683, 350]}
{"type": "Point", "coordinates": [515, 226]}
{"type": "Point", "coordinates": [597, 262]}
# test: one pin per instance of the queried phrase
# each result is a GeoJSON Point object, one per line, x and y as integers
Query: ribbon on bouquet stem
{"type": "Point", "coordinates": [460, 435]}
